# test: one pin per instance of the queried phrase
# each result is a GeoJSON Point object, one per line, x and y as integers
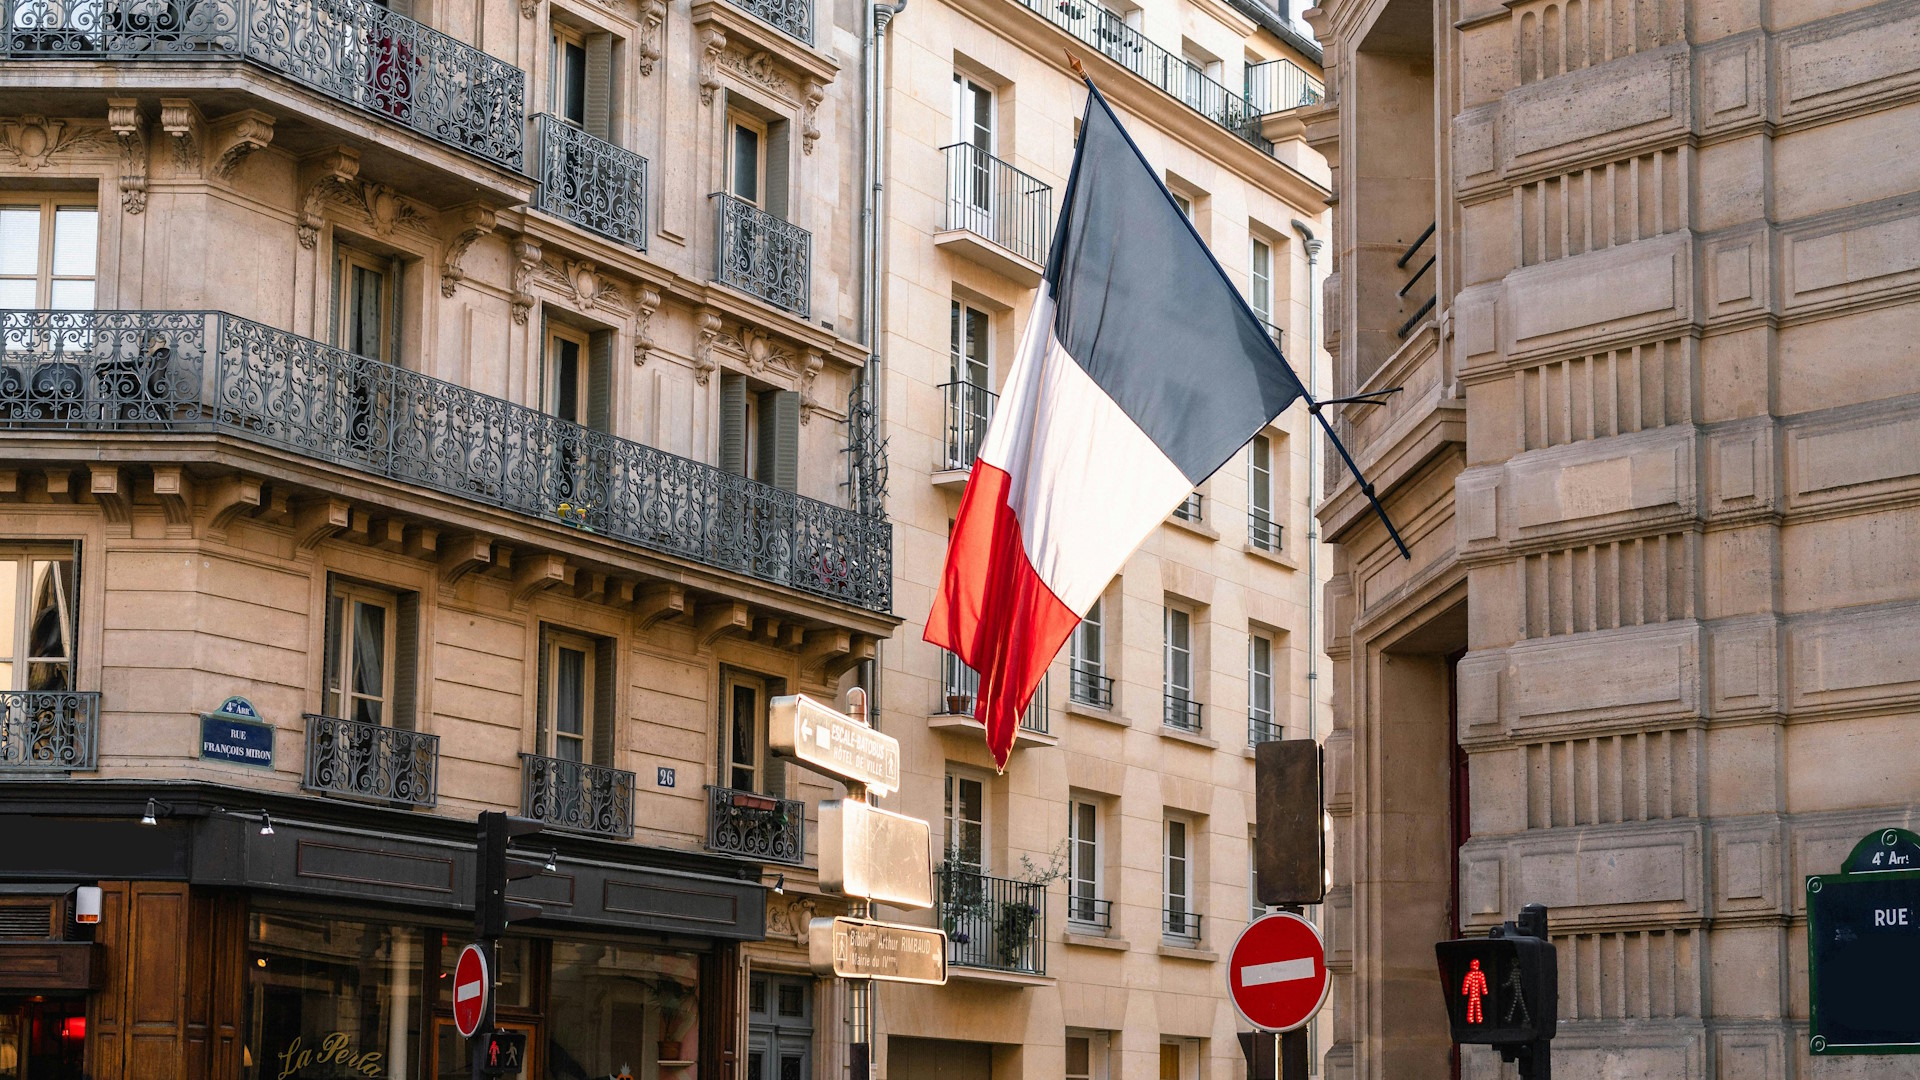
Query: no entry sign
{"type": "Point", "coordinates": [470, 988]}
{"type": "Point", "coordinates": [1277, 972]}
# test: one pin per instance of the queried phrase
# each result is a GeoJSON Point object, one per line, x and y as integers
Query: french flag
{"type": "Point", "coordinates": [1140, 372]}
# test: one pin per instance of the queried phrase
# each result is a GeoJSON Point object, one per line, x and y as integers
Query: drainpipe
{"type": "Point", "coordinates": [1312, 244]}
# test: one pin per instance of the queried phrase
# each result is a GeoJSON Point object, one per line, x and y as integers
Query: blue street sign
{"type": "Point", "coordinates": [240, 742]}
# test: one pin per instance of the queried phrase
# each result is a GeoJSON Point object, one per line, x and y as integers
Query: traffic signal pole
{"type": "Point", "coordinates": [859, 991]}
{"type": "Point", "coordinates": [1536, 1058]}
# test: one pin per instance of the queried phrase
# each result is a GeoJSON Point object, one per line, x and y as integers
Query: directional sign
{"type": "Point", "coordinates": [1863, 948]}
{"type": "Point", "coordinates": [470, 989]}
{"type": "Point", "coordinates": [875, 854]}
{"type": "Point", "coordinates": [1277, 972]}
{"type": "Point", "coordinates": [863, 949]}
{"type": "Point", "coordinates": [834, 743]}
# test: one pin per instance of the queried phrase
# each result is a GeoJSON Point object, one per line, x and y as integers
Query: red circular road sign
{"type": "Point", "coordinates": [470, 988]}
{"type": "Point", "coordinates": [1277, 972]}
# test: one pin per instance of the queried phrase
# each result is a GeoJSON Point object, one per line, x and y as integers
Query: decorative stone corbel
{"type": "Point", "coordinates": [228, 498]}
{"type": "Point", "coordinates": [526, 261]}
{"type": "Point", "coordinates": [713, 41]}
{"type": "Point", "coordinates": [109, 489]}
{"type": "Point", "coordinates": [661, 600]}
{"type": "Point", "coordinates": [123, 117]}
{"type": "Point", "coordinates": [813, 93]}
{"type": "Point", "coordinates": [538, 573]}
{"type": "Point", "coordinates": [239, 137]}
{"type": "Point", "coordinates": [320, 520]}
{"type": "Point", "coordinates": [706, 325]}
{"type": "Point", "coordinates": [808, 406]}
{"type": "Point", "coordinates": [462, 555]}
{"type": "Point", "coordinates": [473, 222]}
{"type": "Point", "coordinates": [529, 8]}
{"type": "Point", "coordinates": [180, 119]}
{"type": "Point", "coordinates": [646, 301]}
{"type": "Point", "coordinates": [173, 488]}
{"type": "Point", "coordinates": [653, 32]}
{"type": "Point", "coordinates": [332, 171]}
{"type": "Point", "coordinates": [726, 617]}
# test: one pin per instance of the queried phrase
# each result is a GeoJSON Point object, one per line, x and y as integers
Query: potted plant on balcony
{"type": "Point", "coordinates": [959, 705]}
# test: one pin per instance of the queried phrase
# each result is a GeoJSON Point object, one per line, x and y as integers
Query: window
{"type": "Point", "coordinates": [366, 304]}
{"type": "Point", "coordinates": [362, 634]}
{"type": "Point", "coordinates": [314, 981]}
{"type": "Point", "coordinates": [49, 251]}
{"type": "Point", "coordinates": [1177, 876]}
{"type": "Point", "coordinates": [1088, 1054]}
{"type": "Point", "coordinates": [1255, 908]}
{"type": "Point", "coordinates": [1260, 279]}
{"type": "Point", "coordinates": [966, 818]}
{"type": "Point", "coordinates": [973, 117]}
{"type": "Point", "coordinates": [1083, 865]}
{"type": "Point", "coordinates": [566, 382]}
{"type": "Point", "coordinates": [569, 89]}
{"type": "Point", "coordinates": [760, 432]}
{"type": "Point", "coordinates": [747, 767]}
{"type": "Point", "coordinates": [37, 587]}
{"type": "Point", "coordinates": [1178, 655]}
{"type": "Point", "coordinates": [1086, 660]}
{"type": "Point", "coordinates": [1185, 204]}
{"type": "Point", "coordinates": [970, 345]}
{"type": "Point", "coordinates": [747, 166]}
{"type": "Point", "coordinates": [1260, 723]}
{"type": "Point", "coordinates": [1263, 530]}
{"type": "Point", "coordinates": [576, 697]}
{"type": "Point", "coordinates": [626, 1009]}
{"type": "Point", "coordinates": [779, 1028]}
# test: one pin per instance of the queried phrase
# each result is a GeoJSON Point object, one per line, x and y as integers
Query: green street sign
{"type": "Point", "coordinates": [1863, 949]}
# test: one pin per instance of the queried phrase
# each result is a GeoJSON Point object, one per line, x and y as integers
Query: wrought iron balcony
{"type": "Point", "coordinates": [993, 199]}
{"type": "Point", "coordinates": [1182, 712]}
{"type": "Point", "coordinates": [1261, 727]}
{"type": "Point", "coordinates": [214, 372]}
{"type": "Point", "coordinates": [1181, 924]}
{"type": "Point", "coordinates": [960, 686]}
{"type": "Point", "coordinates": [1279, 85]}
{"type": "Point", "coordinates": [371, 761]}
{"type": "Point", "coordinates": [45, 731]}
{"type": "Point", "coordinates": [1089, 687]}
{"type": "Point", "coordinates": [1263, 531]}
{"type": "Point", "coordinates": [354, 51]}
{"type": "Point", "coordinates": [969, 410]}
{"type": "Point", "coordinates": [591, 182]}
{"type": "Point", "coordinates": [992, 922]}
{"type": "Point", "coordinates": [755, 826]}
{"type": "Point", "coordinates": [1088, 911]}
{"type": "Point", "coordinates": [575, 796]}
{"type": "Point", "coordinates": [761, 255]}
{"type": "Point", "coordinates": [1191, 508]}
{"type": "Point", "coordinates": [1108, 32]}
{"type": "Point", "coordinates": [793, 18]}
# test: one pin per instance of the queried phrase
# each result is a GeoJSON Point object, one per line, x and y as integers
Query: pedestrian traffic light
{"type": "Point", "coordinates": [499, 1053]}
{"type": "Point", "coordinates": [494, 867]}
{"type": "Point", "coordinates": [1503, 989]}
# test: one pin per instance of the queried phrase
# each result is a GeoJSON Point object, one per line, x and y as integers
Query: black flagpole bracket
{"type": "Point", "coordinates": [1366, 488]}
{"type": "Point", "coordinates": [1371, 397]}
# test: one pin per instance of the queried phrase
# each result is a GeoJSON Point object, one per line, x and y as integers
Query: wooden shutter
{"type": "Point", "coordinates": [775, 198]}
{"type": "Point", "coordinates": [779, 449]}
{"type": "Point", "coordinates": [406, 660]}
{"type": "Point", "coordinates": [599, 122]}
{"type": "Point", "coordinates": [733, 423]}
{"type": "Point", "coordinates": [599, 410]}
{"type": "Point", "coordinates": [541, 690]}
{"type": "Point", "coordinates": [330, 651]}
{"type": "Point", "coordinates": [605, 672]}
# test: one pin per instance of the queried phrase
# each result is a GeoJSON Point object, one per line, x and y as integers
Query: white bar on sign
{"type": "Point", "coordinates": [1281, 971]}
{"type": "Point", "coordinates": [472, 990]}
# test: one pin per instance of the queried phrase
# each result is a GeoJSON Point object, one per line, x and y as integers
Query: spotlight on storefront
{"type": "Point", "coordinates": [553, 860]}
{"type": "Point", "coordinates": [780, 885]}
{"type": "Point", "coordinates": [266, 824]}
{"type": "Point", "coordinates": [152, 816]}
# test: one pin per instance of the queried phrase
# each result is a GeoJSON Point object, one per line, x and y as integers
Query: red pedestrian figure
{"type": "Point", "coordinates": [1475, 988]}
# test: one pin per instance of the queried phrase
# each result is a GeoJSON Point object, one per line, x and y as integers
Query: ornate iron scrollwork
{"type": "Point", "coordinates": [577, 796]}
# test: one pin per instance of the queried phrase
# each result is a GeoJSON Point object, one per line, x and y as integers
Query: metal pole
{"type": "Point", "coordinates": [1290, 1048]}
{"type": "Point", "coordinates": [859, 991]}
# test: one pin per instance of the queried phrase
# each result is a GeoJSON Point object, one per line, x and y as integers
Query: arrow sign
{"type": "Point", "coordinates": [470, 984]}
{"type": "Point", "coordinates": [1277, 972]}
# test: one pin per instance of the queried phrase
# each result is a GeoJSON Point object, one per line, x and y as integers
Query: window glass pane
{"type": "Point", "coordinates": [71, 295]}
{"type": "Point", "coordinates": [626, 1008]}
{"type": "Point", "coordinates": [9, 596]}
{"type": "Point", "coordinates": [1079, 1057]}
{"type": "Point", "coordinates": [793, 999]}
{"type": "Point", "coordinates": [976, 370]}
{"type": "Point", "coordinates": [20, 241]}
{"type": "Point", "coordinates": [76, 245]}
{"type": "Point", "coordinates": [566, 375]}
{"type": "Point", "coordinates": [746, 163]}
{"type": "Point", "coordinates": [17, 293]}
{"type": "Point", "coordinates": [324, 994]}
{"type": "Point", "coordinates": [575, 101]}
{"type": "Point", "coordinates": [50, 629]}
{"type": "Point", "coordinates": [570, 703]}
{"type": "Point", "coordinates": [746, 740]}
{"type": "Point", "coordinates": [363, 312]}
{"type": "Point", "coordinates": [369, 655]}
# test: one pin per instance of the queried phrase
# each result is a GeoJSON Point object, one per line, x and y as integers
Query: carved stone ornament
{"type": "Point", "coordinates": [810, 116]}
{"type": "Point", "coordinates": [526, 262]}
{"type": "Point", "coordinates": [808, 406]}
{"type": "Point", "coordinates": [653, 23]}
{"type": "Point", "coordinates": [789, 919]}
{"type": "Point", "coordinates": [127, 125]}
{"type": "Point", "coordinates": [713, 42]}
{"type": "Point", "coordinates": [706, 324]}
{"type": "Point", "coordinates": [180, 119]}
{"type": "Point", "coordinates": [646, 301]}
{"type": "Point", "coordinates": [582, 283]}
{"type": "Point", "coordinates": [32, 142]}
{"type": "Point", "coordinates": [759, 69]}
{"type": "Point", "coordinates": [472, 223]}
{"type": "Point", "coordinates": [239, 137]}
{"type": "Point", "coordinates": [337, 169]}
{"type": "Point", "coordinates": [529, 8]}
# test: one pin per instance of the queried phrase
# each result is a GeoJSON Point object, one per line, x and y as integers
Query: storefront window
{"type": "Point", "coordinates": [621, 1010]}
{"type": "Point", "coordinates": [330, 999]}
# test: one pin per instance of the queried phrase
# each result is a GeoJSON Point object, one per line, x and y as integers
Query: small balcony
{"type": "Point", "coordinates": [996, 215]}
{"type": "Point", "coordinates": [969, 411]}
{"type": "Point", "coordinates": [1279, 85]}
{"type": "Point", "coordinates": [761, 255]}
{"type": "Point", "coordinates": [1192, 509]}
{"type": "Point", "coordinates": [994, 923]}
{"type": "Point", "coordinates": [1089, 687]}
{"type": "Point", "coordinates": [960, 689]}
{"type": "Point", "coordinates": [1263, 532]}
{"type": "Point", "coordinates": [793, 18]}
{"type": "Point", "coordinates": [592, 183]}
{"type": "Point", "coordinates": [201, 372]}
{"type": "Point", "coordinates": [1180, 926]}
{"type": "Point", "coordinates": [1262, 727]}
{"type": "Point", "coordinates": [355, 760]}
{"type": "Point", "coordinates": [1089, 913]}
{"type": "Point", "coordinates": [577, 797]}
{"type": "Point", "coordinates": [755, 826]}
{"type": "Point", "coordinates": [49, 731]}
{"type": "Point", "coordinates": [1182, 713]}
{"type": "Point", "coordinates": [353, 51]}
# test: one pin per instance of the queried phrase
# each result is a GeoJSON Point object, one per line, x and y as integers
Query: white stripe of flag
{"type": "Point", "coordinates": [1281, 971]}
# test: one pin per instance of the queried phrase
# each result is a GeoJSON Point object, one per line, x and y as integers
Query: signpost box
{"type": "Point", "coordinates": [1863, 947]}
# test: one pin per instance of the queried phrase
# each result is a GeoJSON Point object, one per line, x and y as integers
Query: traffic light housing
{"type": "Point", "coordinates": [499, 1053]}
{"type": "Point", "coordinates": [495, 866]}
{"type": "Point", "coordinates": [1502, 990]}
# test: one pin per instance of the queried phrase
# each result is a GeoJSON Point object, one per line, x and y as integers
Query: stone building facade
{"type": "Point", "coordinates": [1641, 272]}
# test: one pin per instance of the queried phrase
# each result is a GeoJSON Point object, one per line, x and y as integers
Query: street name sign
{"type": "Point", "coordinates": [470, 989]}
{"type": "Point", "coordinates": [864, 949]}
{"type": "Point", "coordinates": [1863, 949]}
{"type": "Point", "coordinates": [834, 743]}
{"type": "Point", "coordinates": [875, 854]}
{"type": "Point", "coordinates": [1277, 972]}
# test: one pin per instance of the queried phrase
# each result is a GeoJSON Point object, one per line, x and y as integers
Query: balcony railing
{"type": "Point", "coordinates": [761, 255]}
{"type": "Point", "coordinates": [1108, 32]}
{"type": "Point", "coordinates": [371, 761]}
{"type": "Point", "coordinates": [755, 826]}
{"type": "Point", "coordinates": [969, 410]}
{"type": "Point", "coordinates": [1263, 531]}
{"type": "Point", "coordinates": [1181, 925]}
{"type": "Point", "coordinates": [960, 686]}
{"type": "Point", "coordinates": [991, 198]}
{"type": "Point", "coordinates": [1182, 712]}
{"type": "Point", "coordinates": [575, 796]}
{"type": "Point", "coordinates": [1279, 85]}
{"type": "Point", "coordinates": [1191, 508]}
{"type": "Point", "coordinates": [1090, 688]}
{"type": "Point", "coordinates": [1090, 912]}
{"type": "Point", "coordinates": [1414, 277]}
{"type": "Point", "coordinates": [49, 730]}
{"type": "Point", "coordinates": [210, 371]}
{"type": "Point", "coordinates": [1261, 727]}
{"type": "Point", "coordinates": [991, 922]}
{"type": "Point", "coordinates": [591, 182]}
{"type": "Point", "coordinates": [354, 51]}
{"type": "Point", "coordinates": [791, 17]}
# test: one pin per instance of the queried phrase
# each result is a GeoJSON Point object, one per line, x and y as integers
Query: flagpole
{"type": "Point", "coordinates": [1366, 488]}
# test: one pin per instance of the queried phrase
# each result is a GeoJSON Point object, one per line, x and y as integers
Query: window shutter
{"type": "Point", "coordinates": [393, 313]}
{"type": "Point", "coordinates": [776, 197]}
{"type": "Point", "coordinates": [330, 651]}
{"type": "Point", "coordinates": [599, 121]}
{"type": "Point", "coordinates": [733, 423]}
{"type": "Point", "coordinates": [333, 323]}
{"type": "Point", "coordinates": [779, 449]}
{"type": "Point", "coordinates": [605, 683]}
{"type": "Point", "coordinates": [406, 661]}
{"type": "Point", "coordinates": [599, 411]}
{"type": "Point", "coordinates": [540, 699]}
{"type": "Point", "coordinates": [400, 7]}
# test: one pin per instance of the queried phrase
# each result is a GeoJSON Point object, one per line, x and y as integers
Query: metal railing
{"type": "Point", "coordinates": [1108, 32]}
{"type": "Point", "coordinates": [1089, 911]}
{"type": "Point", "coordinates": [791, 17]}
{"type": "Point", "coordinates": [354, 51]}
{"type": "Point", "coordinates": [1261, 727]}
{"type": "Point", "coordinates": [989, 197]}
{"type": "Point", "coordinates": [591, 182]}
{"type": "Point", "coordinates": [1262, 531]}
{"type": "Point", "coordinates": [969, 410]}
{"type": "Point", "coordinates": [1279, 85]}
{"type": "Point", "coordinates": [371, 761]}
{"type": "Point", "coordinates": [993, 922]}
{"type": "Point", "coordinates": [1414, 279]}
{"type": "Point", "coordinates": [756, 826]}
{"type": "Point", "coordinates": [1191, 508]}
{"type": "Point", "coordinates": [210, 371]}
{"type": "Point", "coordinates": [761, 255]}
{"type": "Point", "coordinates": [49, 730]}
{"type": "Point", "coordinates": [1182, 712]}
{"type": "Point", "coordinates": [1184, 925]}
{"type": "Point", "coordinates": [1090, 688]}
{"type": "Point", "coordinates": [960, 687]}
{"type": "Point", "coordinates": [576, 796]}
